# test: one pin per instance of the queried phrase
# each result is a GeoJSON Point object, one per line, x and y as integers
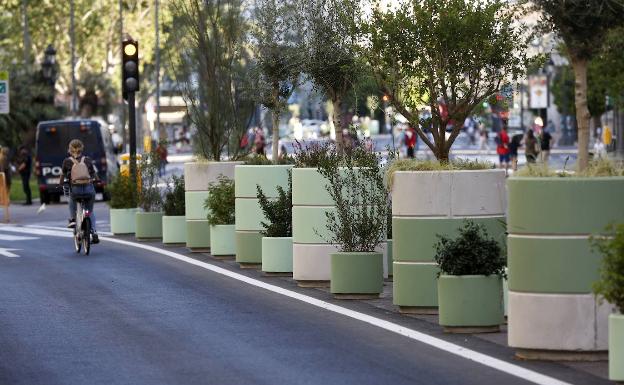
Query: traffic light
{"type": "Point", "coordinates": [130, 69]}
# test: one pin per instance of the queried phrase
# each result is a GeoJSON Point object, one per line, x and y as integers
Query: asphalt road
{"type": "Point", "coordinates": [126, 315]}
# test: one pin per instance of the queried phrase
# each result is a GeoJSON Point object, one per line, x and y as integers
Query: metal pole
{"type": "Point", "coordinates": [132, 128]}
{"type": "Point", "coordinates": [73, 58]}
{"type": "Point", "coordinates": [157, 70]}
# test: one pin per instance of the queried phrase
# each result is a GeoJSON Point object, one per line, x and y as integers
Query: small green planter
{"type": "Point", "coordinates": [174, 229]}
{"type": "Point", "coordinates": [616, 347]}
{"type": "Point", "coordinates": [222, 242]}
{"type": "Point", "coordinates": [148, 225]}
{"type": "Point", "coordinates": [122, 221]}
{"type": "Point", "coordinates": [277, 255]}
{"type": "Point", "coordinates": [356, 275]}
{"type": "Point", "coordinates": [470, 303]}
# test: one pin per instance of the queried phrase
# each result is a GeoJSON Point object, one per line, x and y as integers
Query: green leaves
{"type": "Point", "coordinates": [122, 193]}
{"type": "Point", "coordinates": [472, 252]}
{"type": "Point", "coordinates": [277, 211]}
{"type": "Point", "coordinates": [150, 199]}
{"type": "Point", "coordinates": [611, 283]}
{"type": "Point", "coordinates": [175, 197]}
{"type": "Point", "coordinates": [221, 202]}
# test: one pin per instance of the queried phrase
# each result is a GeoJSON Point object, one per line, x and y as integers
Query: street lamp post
{"type": "Point", "coordinates": [49, 69]}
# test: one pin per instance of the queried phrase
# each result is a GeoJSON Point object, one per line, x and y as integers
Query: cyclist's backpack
{"type": "Point", "coordinates": [80, 172]}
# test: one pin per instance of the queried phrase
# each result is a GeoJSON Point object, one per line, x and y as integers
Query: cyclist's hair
{"type": "Point", "coordinates": [75, 148]}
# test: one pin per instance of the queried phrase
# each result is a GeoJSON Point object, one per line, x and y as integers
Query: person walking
{"type": "Point", "coordinates": [410, 142]}
{"type": "Point", "coordinates": [259, 141]}
{"type": "Point", "coordinates": [5, 166]}
{"type": "Point", "coordinates": [25, 168]}
{"type": "Point", "coordinates": [545, 139]}
{"type": "Point", "coordinates": [530, 147]}
{"type": "Point", "coordinates": [514, 145]}
{"type": "Point", "coordinates": [502, 148]}
{"type": "Point", "coordinates": [484, 147]}
{"type": "Point", "coordinates": [162, 153]}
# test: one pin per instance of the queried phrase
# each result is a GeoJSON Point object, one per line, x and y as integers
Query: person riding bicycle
{"type": "Point", "coordinates": [78, 175]}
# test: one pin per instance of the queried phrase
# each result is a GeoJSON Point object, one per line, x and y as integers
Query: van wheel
{"type": "Point", "coordinates": [44, 197]}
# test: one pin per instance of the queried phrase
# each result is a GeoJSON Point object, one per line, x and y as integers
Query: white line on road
{"type": "Point", "coordinates": [494, 363]}
{"type": "Point", "coordinates": [9, 237]}
{"type": "Point", "coordinates": [7, 253]}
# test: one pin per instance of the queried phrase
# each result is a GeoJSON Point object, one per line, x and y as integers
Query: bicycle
{"type": "Point", "coordinates": [83, 229]}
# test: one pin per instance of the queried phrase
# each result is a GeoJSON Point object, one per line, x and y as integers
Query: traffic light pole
{"type": "Point", "coordinates": [132, 128]}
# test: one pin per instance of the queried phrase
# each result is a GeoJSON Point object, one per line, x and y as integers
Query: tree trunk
{"type": "Point", "coordinates": [582, 112]}
{"type": "Point", "coordinates": [442, 153]}
{"type": "Point", "coordinates": [275, 147]}
{"type": "Point", "coordinates": [337, 114]}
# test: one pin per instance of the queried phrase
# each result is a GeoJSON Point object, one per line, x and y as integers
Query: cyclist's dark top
{"type": "Point", "coordinates": [68, 163]}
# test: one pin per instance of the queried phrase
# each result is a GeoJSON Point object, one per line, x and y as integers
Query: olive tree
{"type": "Point", "coordinates": [277, 58]}
{"type": "Point", "coordinates": [448, 55]}
{"type": "Point", "coordinates": [583, 25]}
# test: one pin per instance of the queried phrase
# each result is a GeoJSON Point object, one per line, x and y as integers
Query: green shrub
{"type": "Point", "coordinates": [278, 211]}
{"type": "Point", "coordinates": [221, 202]}
{"type": "Point", "coordinates": [122, 193]}
{"type": "Point", "coordinates": [611, 283]}
{"type": "Point", "coordinates": [174, 197]}
{"type": "Point", "coordinates": [361, 199]}
{"type": "Point", "coordinates": [434, 165]}
{"type": "Point", "coordinates": [262, 160]}
{"type": "Point", "coordinates": [389, 220]}
{"type": "Point", "coordinates": [472, 252]}
{"type": "Point", "coordinates": [314, 155]}
{"type": "Point", "coordinates": [601, 167]}
{"type": "Point", "coordinates": [150, 199]}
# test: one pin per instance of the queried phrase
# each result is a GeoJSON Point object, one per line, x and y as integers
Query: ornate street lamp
{"type": "Point", "coordinates": [49, 68]}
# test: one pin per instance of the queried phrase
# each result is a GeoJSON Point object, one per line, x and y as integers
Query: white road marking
{"type": "Point", "coordinates": [7, 253]}
{"type": "Point", "coordinates": [9, 237]}
{"type": "Point", "coordinates": [494, 363]}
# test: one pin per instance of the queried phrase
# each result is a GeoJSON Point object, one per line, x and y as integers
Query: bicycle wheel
{"type": "Point", "coordinates": [77, 240]}
{"type": "Point", "coordinates": [86, 235]}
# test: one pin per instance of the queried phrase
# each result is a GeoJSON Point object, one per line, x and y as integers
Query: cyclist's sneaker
{"type": "Point", "coordinates": [94, 238]}
{"type": "Point", "coordinates": [71, 223]}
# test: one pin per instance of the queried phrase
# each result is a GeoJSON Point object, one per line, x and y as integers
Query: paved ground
{"type": "Point", "coordinates": [126, 315]}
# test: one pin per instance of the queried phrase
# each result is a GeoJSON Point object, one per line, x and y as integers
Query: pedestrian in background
{"type": "Point", "coordinates": [162, 153]}
{"type": "Point", "coordinates": [502, 148]}
{"type": "Point", "coordinates": [483, 139]}
{"type": "Point", "coordinates": [514, 145]}
{"type": "Point", "coordinates": [410, 142]}
{"type": "Point", "coordinates": [545, 139]}
{"type": "Point", "coordinates": [25, 168]}
{"type": "Point", "coordinates": [259, 142]}
{"type": "Point", "coordinates": [5, 166]}
{"type": "Point", "coordinates": [531, 147]}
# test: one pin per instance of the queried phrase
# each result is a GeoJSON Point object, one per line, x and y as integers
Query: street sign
{"type": "Point", "coordinates": [4, 92]}
{"type": "Point", "coordinates": [538, 91]}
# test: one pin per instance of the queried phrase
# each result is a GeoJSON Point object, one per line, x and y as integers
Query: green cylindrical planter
{"type": "Point", "coordinates": [277, 255]}
{"type": "Point", "coordinates": [222, 240]}
{"type": "Point", "coordinates": [389, 261]}
{"type": "Point", "coordinates": [356, 275]}
{"type": "Point", "coordinates": [249, 214]}
{"type": "Point", "coordinates": [148, 225]}
{"type": "Point", "coordinates": [122, 221]}
{"type": "Point", "coordinates": [198, 235]}
{"type": "Point", "coordinates": [616, 347]}
{"type": "Point", "coordinates": [470, 303]}
{"type": "Point", "coordinates": [174, 229]}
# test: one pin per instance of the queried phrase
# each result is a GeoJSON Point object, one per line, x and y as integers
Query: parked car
{"type": "Point", "coordinates": [52, 140]}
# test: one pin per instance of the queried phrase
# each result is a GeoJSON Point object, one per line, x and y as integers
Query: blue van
{"type": "Point", "coordinates": [52, 141]}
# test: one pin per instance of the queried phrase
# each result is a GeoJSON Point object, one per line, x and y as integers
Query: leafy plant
{"type": "Point", "coordinates": [611, 283]}
{"type": "Point", "coordinates": [389, 221]}
{"type": "Point", "coordinates": [150, 199]}
{"type": "Point", "coordinates": [597, 168]}
{"type": "Point", "coordinates": [174, 197]}
{"type": "Point", "coordinates": [318, 153]}
{"type": "Point", "coordinates": [472, 252]}
{"type": "Point", "coordinates": [221, 202]}
{"type": "Point", "coordinates": [278, 211]}
{"type": "Point", "coordinates": [434, 165]}
{"type": "Point", "coordinates": [261, 160]}
{"type": "Point", "coordinates": [361, 199]}
{"type": "Point", "coordinates": [122, 193]}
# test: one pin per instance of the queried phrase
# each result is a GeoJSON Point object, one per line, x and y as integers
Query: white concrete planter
{"type": "Point", "coordinates": [428, 203]}
{"type": "Point", "coordinates": [122, 221]}
{"type": "Point", "coordinates": [197, 177]}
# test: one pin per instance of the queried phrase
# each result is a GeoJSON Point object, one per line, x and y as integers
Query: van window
{"type": "Point", "coordinates": [54, 139]}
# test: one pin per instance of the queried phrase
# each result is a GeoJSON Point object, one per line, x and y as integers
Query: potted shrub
{"type": "Point", "coordinates": [277, 233]}
{"type": "Point", "coordinates": [149, 219]}
{"type": "Point", "coordinates": [123, 205]}
{"type": "Point", "coordinates": [256, 171]}
{"type": "Point", "coordinates": [470, 283]}
{"type": "Point", "coordinates": [552, 266]}
{"type": "Point", "coordinates": [220, 206]}
{"type": "Point", "coordinates": [197, 176]}
{"type": "Point", "coordinates": [357, 227]}
{"type": "Point", "coordinates": [311, 202]}
{"type": "Point", "coordinates": [611, 288]}
{"type": "Point", "coordinates": [174, 221]}
{"type": "Point", "coordinates": [430, 198]}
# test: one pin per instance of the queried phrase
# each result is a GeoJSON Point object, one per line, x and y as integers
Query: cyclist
{"type": "Point", "coordinates": [78, 175]}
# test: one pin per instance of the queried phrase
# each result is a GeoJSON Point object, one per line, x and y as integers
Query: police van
{"type": "Point", "coordinates": [52, 141]}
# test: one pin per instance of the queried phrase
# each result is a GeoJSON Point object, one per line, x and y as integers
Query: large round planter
{"type": "Point", "coordinates": [470, 303]}
{"type": "Point", "coordinates": [356, 275]}
{"type": "Point", "coordinates": [616, 347]}
{"type": "Point", "coordinates": [277, 255]}
{"type": "Point", "coordinates": [222, 240]}
{"type": "Point", "coordinates": [249, 214]}
{"type": "Point", "coordinates": [122, 221]}
{"type": "Point", "coordinates": [148, 225]}
{"type": "Point", "coordinates": [311, 251]}
{"type": "Point", "coordinates": [428, 203]}
{"type": "Point", "coordinates": [174, 229]}
{"type": "Point", "coordinates": [197, 177]}
{"type": "Point", "coordinates": [552, 266]}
